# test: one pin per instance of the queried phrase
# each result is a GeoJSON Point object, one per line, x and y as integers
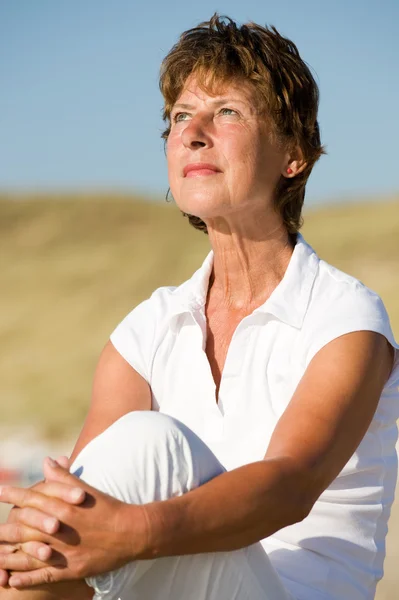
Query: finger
{"type": "Point", "coordinates": [3, 578]}
{"type": "Point", "coordinates": [7, 548]}
{"type": "Point", "coordinates": [72, 495]}
{"type": "Point", "coordinates": [16, 515]}
{"type": "Point", "coordinates": [36, 519]}
{"type": "Point", "coordinates": [39, 577]}
{"type": "Point", "coordinates": [63, 461]}
{"type": "Point", "coordinates": [13, 515]}
{"type": "Point", "coordinates": [33, 499]}
{"type": "Point", "coordinates": [19, 561]}
{"type": "Point", "coordinates": [54, 472]}
{"type": "Point", "coordinates": [17, 533]}
{"type": "Point", "coordinates": [37, 550]}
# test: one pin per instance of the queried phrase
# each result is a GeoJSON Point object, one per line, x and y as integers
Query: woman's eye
{"type": "Point", "coordinates": [227, 111]}
{"type": "Point", "coordinates": [181, 116]}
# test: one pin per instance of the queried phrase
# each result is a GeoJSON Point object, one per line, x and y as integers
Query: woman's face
{"type": "Point", "coordinates": [221, 157]}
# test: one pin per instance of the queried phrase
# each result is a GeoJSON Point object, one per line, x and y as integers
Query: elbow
{"type": "Point", "coordinates": [297, 512]}
{"type": "Point", "coordinates": [301, 493]}
{"type": "Point", "coordinates": [295, 492]}
{"type": "Point", "coordinates": [305, 500]}
{"type": "Point", "coordinates": [304, 509]}
{"type": "Point", "coordinates": [291, 509]}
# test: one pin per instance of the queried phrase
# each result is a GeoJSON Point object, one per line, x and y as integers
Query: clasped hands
{"type": "Point", "coordinates": [63, 529]}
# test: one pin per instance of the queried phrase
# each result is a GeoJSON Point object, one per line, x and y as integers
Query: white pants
{"type": "Point", "coordinates": [147, 456]}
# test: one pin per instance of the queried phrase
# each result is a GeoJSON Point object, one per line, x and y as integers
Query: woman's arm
{"type": "Point", "coordinates": [315, 437]}
{"type": "Point", "coordinates": [321, 428]}
{"type": "Point", "coordinates": [117, 389]}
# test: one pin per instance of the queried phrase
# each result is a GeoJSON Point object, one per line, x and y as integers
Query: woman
{"type": "Point", "coordinates": [276, 373]}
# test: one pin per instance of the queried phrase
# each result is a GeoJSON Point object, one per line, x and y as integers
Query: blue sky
{"type": "Point", "coordinates": [80, 106]}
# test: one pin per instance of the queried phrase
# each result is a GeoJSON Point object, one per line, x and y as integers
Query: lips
{"type": "Point", "coordinates": [198, 169]}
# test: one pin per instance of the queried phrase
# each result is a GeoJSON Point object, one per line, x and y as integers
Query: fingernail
{"type": "Point", "coordinates": [14, 581]}
{"type": "Point", "coordinates": [43, 553]}
{"type": "Point", "coordinates": [51, 462]}
{"type": "Point", "coordinates": [50, 524]}
{"type": "Point", "coordinates": [3, 488]}
{"type": "Point", "coordinates": [76, 494]}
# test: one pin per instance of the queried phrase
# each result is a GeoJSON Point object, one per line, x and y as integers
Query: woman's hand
{"type": "Point", "coordinates": [86, 539]}
{"type": "Point", "coordinates": [16, 515]}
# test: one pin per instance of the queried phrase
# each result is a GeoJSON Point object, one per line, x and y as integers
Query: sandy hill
{"type": "Point", "coordinates": [72, 267]}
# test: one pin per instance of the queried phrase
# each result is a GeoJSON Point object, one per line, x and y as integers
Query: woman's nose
{"type": "Point", "coordinates": [196, 134]}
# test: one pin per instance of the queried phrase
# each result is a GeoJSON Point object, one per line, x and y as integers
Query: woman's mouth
{"type": "Point", "coordinates": [200, 170]}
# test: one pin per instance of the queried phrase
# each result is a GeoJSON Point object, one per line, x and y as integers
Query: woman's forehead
{"type": "Point", "coordinates": [196, 87]}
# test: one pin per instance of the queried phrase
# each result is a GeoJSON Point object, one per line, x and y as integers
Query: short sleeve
{"type": "Point", "coordinates": [135, 337]}
{"type": "Point", "coordinates": [349, 308]}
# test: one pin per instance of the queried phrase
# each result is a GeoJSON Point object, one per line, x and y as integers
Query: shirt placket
{"type": "Point", "coordinates": [215, 423]}
{"type": "Point", "coordinates": [230, 389]}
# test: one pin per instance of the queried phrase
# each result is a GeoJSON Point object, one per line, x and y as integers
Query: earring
{"type": "Point", "coordinates": [289, 171]}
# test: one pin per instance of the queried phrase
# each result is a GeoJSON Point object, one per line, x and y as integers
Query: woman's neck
{"type": "Point", "coordinates": [249, 262]}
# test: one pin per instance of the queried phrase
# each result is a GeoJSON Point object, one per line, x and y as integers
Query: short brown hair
{"type": "Point", "coordinates": [218, 52]}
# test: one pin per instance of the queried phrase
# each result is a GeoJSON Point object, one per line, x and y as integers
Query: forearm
{"type": "Point", "coordinates": [233, 510]}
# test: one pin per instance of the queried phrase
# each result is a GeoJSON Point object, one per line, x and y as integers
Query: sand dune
{"type": "Point", "coordinates": [72, 267]}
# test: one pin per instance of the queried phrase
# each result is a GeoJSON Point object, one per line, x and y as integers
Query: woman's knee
{"type": "Point", "coordinates": [134, 437]}
{"type": "Point", "coordinates": [146, 456]}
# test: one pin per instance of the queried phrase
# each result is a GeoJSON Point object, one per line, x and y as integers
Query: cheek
{"type": "Point", "coordinates": [171, 158]}
{"type": "Point", "coordinates": [243, 156]}
{"type": "Point", "coordinates": [261, 159]}
{"type": "Point", "coordinates": [241, 144]}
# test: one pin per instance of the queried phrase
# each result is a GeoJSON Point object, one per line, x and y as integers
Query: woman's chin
{"type": "Point", "coordinates": [203, 206]}
{"type": "Point", "coordinates": [204, 213]}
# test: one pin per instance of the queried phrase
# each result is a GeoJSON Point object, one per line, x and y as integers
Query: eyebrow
{"type": "Point", "coordinates": [213, 102]}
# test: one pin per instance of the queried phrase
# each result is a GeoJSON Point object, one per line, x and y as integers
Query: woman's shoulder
{"type": "Point", "coordinates": [341, 304]}
{"type": "Point", "coordinates": [137, 336]}
{"type": "Point", "coordinates": [163, 303]}
{"type": "Point", "coordinates": [150, 317]}
{"type": "Point", "coordinates": [337, 291]}
{"type": "Point", "coordinates": [332, 291]}
{"type": "Point", "coordinates": [168, 301]}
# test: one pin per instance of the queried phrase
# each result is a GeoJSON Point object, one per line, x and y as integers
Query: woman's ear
{"type": "Point", "coordinates": [294, 163]}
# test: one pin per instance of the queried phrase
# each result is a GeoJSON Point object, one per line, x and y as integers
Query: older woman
{"type": "Point", "coordinates": [271, 472]}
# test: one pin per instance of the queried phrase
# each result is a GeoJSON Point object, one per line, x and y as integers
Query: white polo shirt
{"type": "Point", "coordinates": [337, 552]}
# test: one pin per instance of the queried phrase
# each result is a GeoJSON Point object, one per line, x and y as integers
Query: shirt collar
{"type": "Point", "coordinates": [288, 302]}
{"type": "Point", "coordinates": [290, 299]}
